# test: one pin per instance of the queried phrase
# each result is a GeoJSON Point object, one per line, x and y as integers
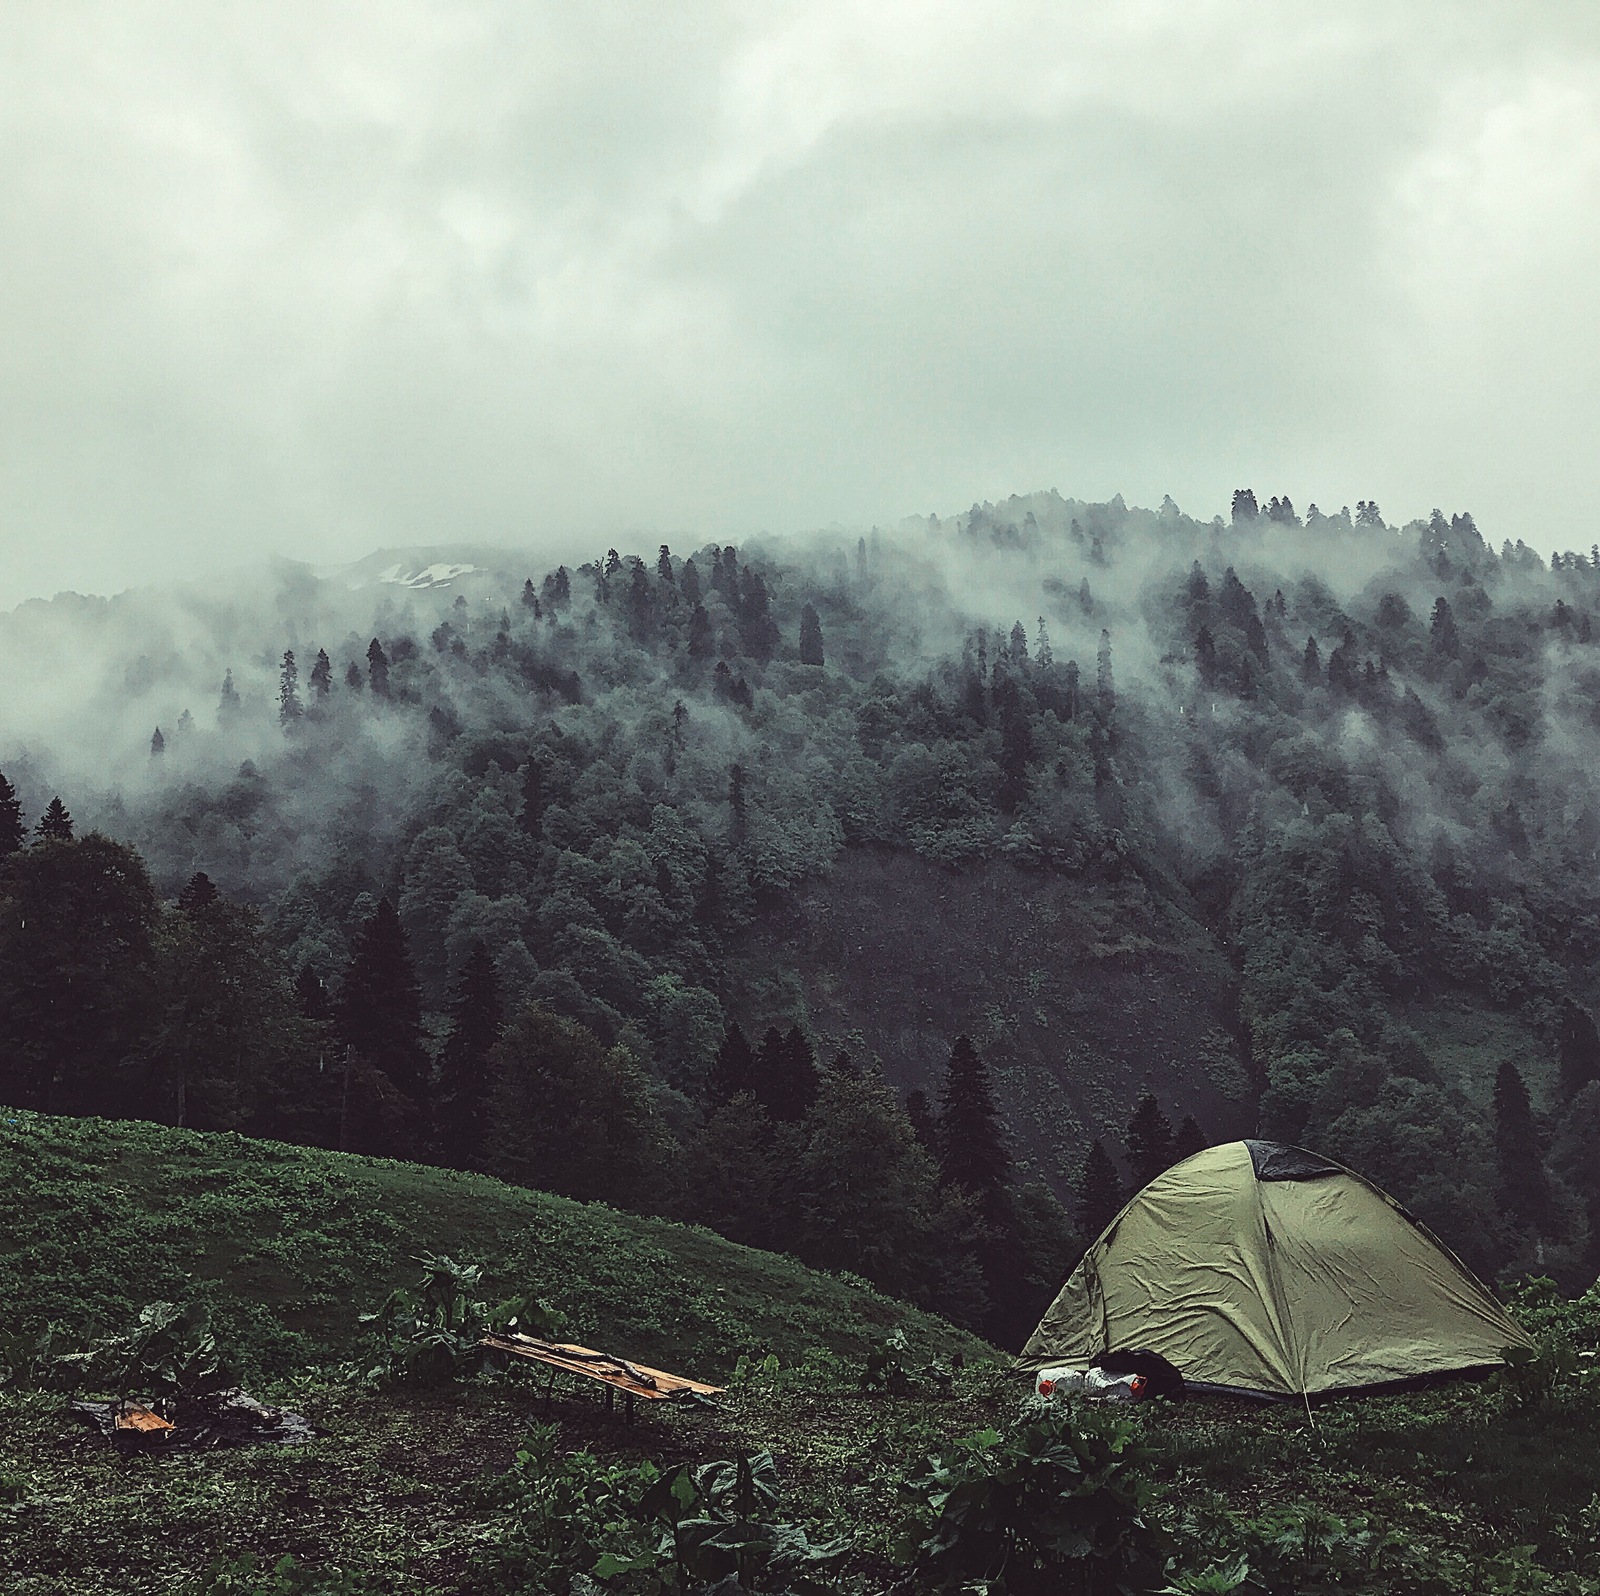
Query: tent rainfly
{"type": "Point", "coordinates": [1268, 1270]}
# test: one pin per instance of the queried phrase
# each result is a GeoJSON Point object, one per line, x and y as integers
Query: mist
{"type": "Point", "coordinates": [318, 282]}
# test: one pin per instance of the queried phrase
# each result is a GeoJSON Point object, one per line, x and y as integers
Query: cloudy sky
{"type": "Point", "coordinates": [315, 278]}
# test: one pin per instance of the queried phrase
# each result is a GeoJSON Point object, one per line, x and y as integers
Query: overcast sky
{"type": "Point", "coordinates": [315, 278]}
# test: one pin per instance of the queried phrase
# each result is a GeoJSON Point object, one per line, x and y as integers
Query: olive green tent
{"type": "Point", "coordinates": [1266, 1269]}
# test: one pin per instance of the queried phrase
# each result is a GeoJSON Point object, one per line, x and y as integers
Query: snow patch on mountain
{"type": "Point", "coordinates": [429, 576]}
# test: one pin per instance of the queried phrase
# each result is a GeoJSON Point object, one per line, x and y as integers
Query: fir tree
{"type": "Point", "coordinates": [810, 637]}
{"type": "Point", "coordinates": [734, 1069]}
{"type": "Point", "coordinates": [758, 632]}
{"type": "Point", "coordinates": [664, 567]}
{"type": "Point", "coordinates": [55, 824]}
{"type": "Point", "coordinates": [1205, 656]}
{"type": "Point", "coordinates": [556, 590]}
{"type": "Point", "coordinates": [1150, 1143]}
{"type": "Point", "coordinates": [378, 669]}
{"type": "Point", "coordinates": [702, 644]}
{"type": "Point", "coordinates": [199, 893]}
{"type": "Point", "coordinates": [353, 679]}
{"type": "Point", "coordinates": [1524, 1192]}
{"type": "Point", "coordinates": [1042, 651]}
{"type": "Point", "coordinates": [1443, 639]}
{"type": "Point", "coordinates": [1189, 1140]}
{"type": "Point", "coordinates": [185, 724]}
{"type": "Point", "coordinates": [531, 818]}
{"type": "Point", "coordinates": [1578, 1045]}
{"type": "Point", "coordinates": [228, 703]}
{"type": "Point", "coordinates": [476, 1019]}
{"type": "Point", "coordinates": [530, 599]}
{"type": "Point", "coordinates": [321, 677]}
{"type": "Point", "coordinates": [380, 1004]}
{"type": "Point", "coordinates": [689, 584]}
{"type": "Point", "coordinates": [972, 1148]}
{"type": "Point", "coordinates": [1099, 1196]}
{"type": "Point", "coordinates": [786, 1075]}
{"type": "Point", "coordinates": [12, 832]}
{"type": "Point", "coordinates": [1311, 664]}
{"type": "Point", "coordinates": [289, 708]}
{"type": "Point", "coordinates": [158, 744]}
{"type": "Point", "coordinates": [1105, 683]}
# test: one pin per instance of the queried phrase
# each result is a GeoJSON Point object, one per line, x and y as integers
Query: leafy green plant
{"type": "Point", "coordinates": [1057, 1502]}
{"type": "Point", "coordinates": [431, 1331]}
{"type": "Point", "coordinates": [557, 1513]}
{"type": "Point", "coordinates": [1536, 1375]}
{"type": "Point", "coordinates": [720, 1530]}
{"type": "Point", "coordinates": [892, 1368]}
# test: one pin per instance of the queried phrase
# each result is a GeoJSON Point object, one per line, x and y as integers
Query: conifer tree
{"type": "Point", "coordinates": [810, 637]}
{"type": "Point", "coordinates": [55, 824]}
{"type": "Point", "coordinates": [321, 677]}
{"type": "Point", "coordinates": [530, 599]}
{"type": "Point", "coordinates": [185, 724]}
{"type": "Point", "coordinates": [1189, 1140]}
{"type": "Point", "coordinates": [1105, 682]}
{"type": "Point", "coordinates": [786, 1075]}
{"type": "Point", "coordinates": [380, 1003]}
{"type": "Point", "coordinates": [1150, 1143]}
{"type": "Point", "coordinates": [378, 669]}
{"type": "Point", "coordinates": [1443, 639]}
{"type": "Point", "coordinates": [734, 1070]}
{"type": "Point", "coordinates": [158, 744]}
{"type": "Point", "coordinates": [476, 1019]}
{"type": "Point", "coordinates": [556, 589]}
{"type": "Point", "coordinates": [758, 632]}
{"type": "Point", "coordinates": [353, 679]}
{"type": "Point", "coordinates": [1311, 664]}
{"type": "Point", "coordinates": [531, 818]}
{"type": "Point", "coordinates": [664, 567]}
{"type": "Point", "coordinates": [228, 703]}
{"type": "Point", "coordinates": [1578, 1045]}
{"type": "Point", "coordinates": [1524, 1193]}
{"type": "Point", "coordinates": [972, 1149]}
{"type": "Point", "coordinates": [1042, 652]}
{"type": "Point", "coordinates": [12, 831]}
{"type": "Point", "coordinates": [1099, 1197]}
{"type": "Point", "coordinates": [702, 644]}
{"type": "Point", "coordinates": [199, 892]}
{"type": "Point", "coordinates": [289, 706]}
{"type": "Point", "coordinates": [689, 584]}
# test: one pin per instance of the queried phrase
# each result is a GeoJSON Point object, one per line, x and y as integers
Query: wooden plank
{"type": "Point", "coordinates": [637, 1379]}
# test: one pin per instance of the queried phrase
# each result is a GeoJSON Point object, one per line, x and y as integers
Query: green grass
{"type": "Point", "coordinates": [289, 1244]}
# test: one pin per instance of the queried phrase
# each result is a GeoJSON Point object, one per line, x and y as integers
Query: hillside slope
{"type": "Point", "coordinates": [289, 1244]}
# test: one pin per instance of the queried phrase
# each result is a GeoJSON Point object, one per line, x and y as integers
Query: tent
{"type": "Point", "coordinates": [1264, 1269]}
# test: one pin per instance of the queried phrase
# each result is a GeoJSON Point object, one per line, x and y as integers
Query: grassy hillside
{"type": "Point", "coordinates": [289, 1244]}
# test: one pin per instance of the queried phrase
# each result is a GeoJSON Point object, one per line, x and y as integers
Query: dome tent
{"type": "Point", "coordinates": [1265, 1269]}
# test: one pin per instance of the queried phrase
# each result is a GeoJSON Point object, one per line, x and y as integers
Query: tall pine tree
{"type": "Point", "coordinates": [1099, 1196]}
{"type": "Point", "coordinates": [289, 706]}
{"type": "Point", "coordinates": [810, 637]}
{"type": "Point", "coordinates": [12, 832]}
{"type": "Point", "coordinates": [55, 824]}
{"type": "Point", "coordinates": [1524, 1193]}
{"type": "Point", "coordinates": [972, 1148]}
{"type": "Point", "coordinates": [380, 1003]}
{"type": "Point", "coordinates": [1150, 1143]}
{"type": "Point", "coordinates": [476, 1020]}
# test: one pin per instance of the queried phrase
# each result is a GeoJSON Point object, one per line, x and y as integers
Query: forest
{"type": "Point", "coordinates": [533, 877]}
